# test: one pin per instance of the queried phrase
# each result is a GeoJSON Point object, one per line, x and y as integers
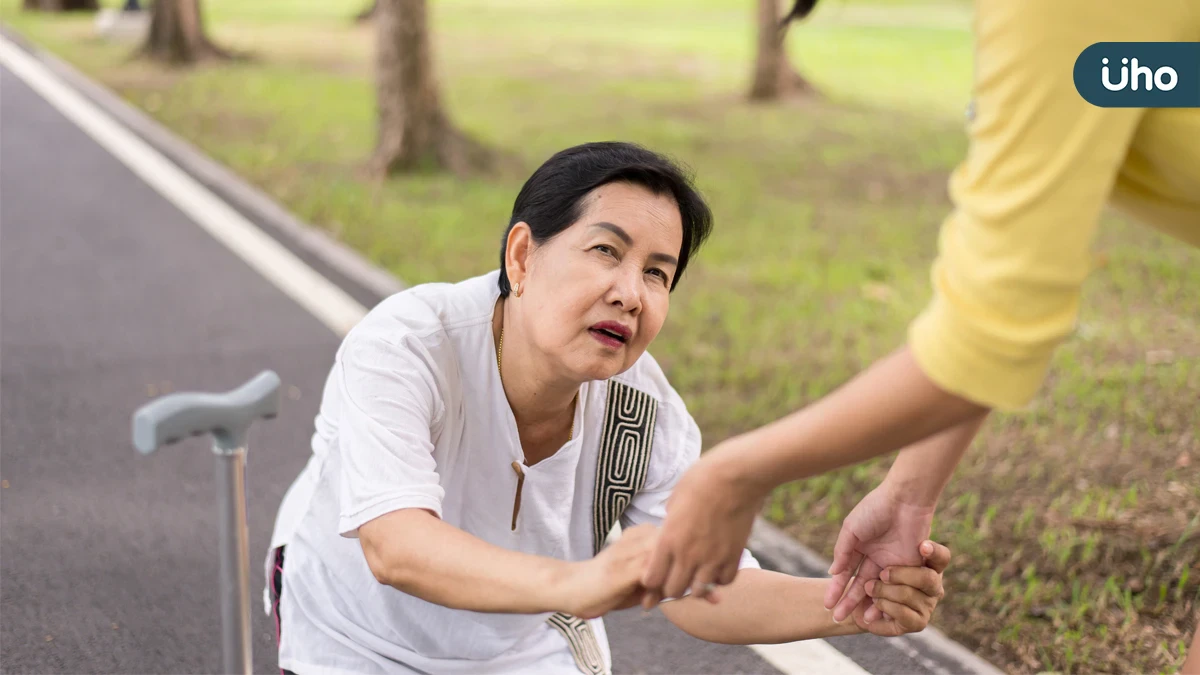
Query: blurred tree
{"type": "Point", "coordinates": [774, 75]}
{"type": "Point", "coordinates": [177, 33]}
{"type": "Point", "coordinates": [368, 13]}
{"type": "Point", "coordinates": [414, 132]}
{"type": "Point", "coordinates": [61, 5]}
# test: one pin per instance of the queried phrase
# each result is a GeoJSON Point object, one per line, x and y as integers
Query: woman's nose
{"type": "Point", "coordinates": [627, 292]}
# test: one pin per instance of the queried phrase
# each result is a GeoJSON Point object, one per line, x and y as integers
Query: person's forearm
{"type": "Point", "coordinates": [759, 607]}
{"type": "Point", "coordinates": [415, 552]}
{"type": "Point", "coordinates": [922, 470]}
{"type": "Point", "coordinates": [889, 406]}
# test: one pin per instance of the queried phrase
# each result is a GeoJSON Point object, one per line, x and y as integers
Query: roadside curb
{"type": "Point", "coordinates": [369, 283]}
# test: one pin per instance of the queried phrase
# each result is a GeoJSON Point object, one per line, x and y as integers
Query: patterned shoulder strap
{"type": "Point", "coordinates": [625, 444]}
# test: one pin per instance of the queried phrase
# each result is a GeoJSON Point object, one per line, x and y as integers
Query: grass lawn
{"type": "Point", "coordinates": [1074, 524]}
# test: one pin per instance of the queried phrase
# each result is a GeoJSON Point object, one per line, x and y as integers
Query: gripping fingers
{"type": "Point", "coordinates": [866, 572]}
{"type": "Point", "coordinates": [872, 613]}
{"type": "Point", "coordinates": [923, 579]}
{"type": "Point", "coordinates": [904, 616]}
{"type": "Point", "coordinates": [704, 577]}
{"type": "Point", "coordinates": [903, 595]}
{"type": "Point", "coordinates": [655, 576]}
{"type": "Point", "coordinates": [728, 573]}
{"type": "Point", "coordinates": [937, 558]}
{"type": "Point", "coordinates": [680, 578]}
{"type": "Point", "coordinates": [845, 560]}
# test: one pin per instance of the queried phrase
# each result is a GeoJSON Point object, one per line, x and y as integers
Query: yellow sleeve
{"type": "Point", "coordinates": [1041, 164]}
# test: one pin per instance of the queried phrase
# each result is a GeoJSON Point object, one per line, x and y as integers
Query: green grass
{"type": "Point", "coordinates": [1072, 524]}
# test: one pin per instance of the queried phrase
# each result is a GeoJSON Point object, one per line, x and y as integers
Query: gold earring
{"type": "Point", "coordinates": [517, 289]}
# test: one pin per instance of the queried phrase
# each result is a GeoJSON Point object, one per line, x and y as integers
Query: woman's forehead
{"type": "Point", "coordinates": [632, 208]}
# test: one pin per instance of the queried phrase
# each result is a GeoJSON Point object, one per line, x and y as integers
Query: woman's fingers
{"type": "Point", "coordinates": [923, 579]}
{"type": "Point", "coordinates": [679, 580]}
{"type": "Point", "coordinates": [904, 616]}
{"type": "Point", "coordinates": [936, 556]}
{"type": "Point", "coordinates": [705, 576]}
{"type": "Point", "coordinates": [904, 595]}
{"type": "Point", "coordinates": [872, 613]}
{"type": "Point", "coordinates": [728, 574]}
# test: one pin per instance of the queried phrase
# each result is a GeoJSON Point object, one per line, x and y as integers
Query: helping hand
{"type": "Point", "coordinates": [907, 596]}
{"type": "Point", "coordinates": [882, 531]}
{"type": "Point", "coordinates": [709, 517]}
{"type": "Point", "coordinates": [611, 580]}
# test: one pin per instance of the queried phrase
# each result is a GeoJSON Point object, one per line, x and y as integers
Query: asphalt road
{"type": "Point", "coordinates": [110, 296]}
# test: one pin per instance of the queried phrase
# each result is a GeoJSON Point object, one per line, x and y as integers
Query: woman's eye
{"type": "Point", "coordinates": [659, 273]}
{"type": "Point", "coordinates": [605, 250]}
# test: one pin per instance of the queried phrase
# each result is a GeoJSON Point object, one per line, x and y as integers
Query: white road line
{"type": "Point", "coordinates": [816, 657]}
{"type": "Point", "coordinates": [324, 300]}
{"type": "Point", "coordinates": [330, 304]}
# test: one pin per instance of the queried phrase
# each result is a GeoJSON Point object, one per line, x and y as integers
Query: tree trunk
{"type": "Point", "coordinates": [177, 33]}
{"type": "Point", "coordinates": [414, 131]}
{"type": "Point", "coordinates": [774, 75]}
{"type": "Point", "coordinates": [368, 13]}
{"type": "Point", "coordinates": [61, 5]}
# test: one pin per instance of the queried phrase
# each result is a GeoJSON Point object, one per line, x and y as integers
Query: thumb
{"type": "Point", "coordinates": [936, 556]}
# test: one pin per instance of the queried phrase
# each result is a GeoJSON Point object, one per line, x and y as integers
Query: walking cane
{"type": "Point", "coordinates": [228, 418]}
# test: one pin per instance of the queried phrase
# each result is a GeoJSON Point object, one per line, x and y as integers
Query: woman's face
{"type": "Point", "coordinates": [595, 296]}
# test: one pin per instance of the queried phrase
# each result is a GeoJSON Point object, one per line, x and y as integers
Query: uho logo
{"type": "Point", "coordinates": [1139, 74]}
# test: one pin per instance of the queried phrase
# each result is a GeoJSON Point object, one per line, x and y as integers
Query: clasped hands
{"type": "Point", "coordinates": [613, 580]}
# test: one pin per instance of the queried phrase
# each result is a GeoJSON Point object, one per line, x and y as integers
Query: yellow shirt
{"type": "Point", "coordinates": [1041, 165]}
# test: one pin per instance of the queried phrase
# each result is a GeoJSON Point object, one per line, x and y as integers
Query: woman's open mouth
{"type": "Point", "coordinates": [611, 334]}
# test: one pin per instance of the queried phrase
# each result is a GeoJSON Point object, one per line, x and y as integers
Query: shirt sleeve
{"type": "Point", "coordinates": [677, 439]}
{"type": "Point", "coordinates": [390, 412]}
{"type": "Point", "coordinates": [1042, 162]}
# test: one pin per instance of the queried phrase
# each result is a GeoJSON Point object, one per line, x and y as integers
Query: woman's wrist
{"type": "Point", "coordinates": [555, 584]}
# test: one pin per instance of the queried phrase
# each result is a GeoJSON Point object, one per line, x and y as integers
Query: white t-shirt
{"type": "Point", "coordinates": [414, 416]}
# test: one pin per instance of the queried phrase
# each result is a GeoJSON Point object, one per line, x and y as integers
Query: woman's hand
{"type": "Point", "coordinates": [883, 530]}
{"type": "Point", "coordinates": [907, 595]}
{"type": "Point", "coordinates": [709, 517]}
{"type": "Point", "coordinates": [611, 580]}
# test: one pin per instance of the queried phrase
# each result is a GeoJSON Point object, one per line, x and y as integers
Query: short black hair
{"type": "Point", "coordinates": [552, 199]}
{"type": "Point", "coordinates": [800, 9]}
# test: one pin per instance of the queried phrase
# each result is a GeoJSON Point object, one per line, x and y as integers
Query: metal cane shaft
{"type": "Point", "coordinates": [234, 550]}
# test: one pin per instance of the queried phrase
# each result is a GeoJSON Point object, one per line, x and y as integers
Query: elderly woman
{"type": "Point", "coordinates": [477, 442]}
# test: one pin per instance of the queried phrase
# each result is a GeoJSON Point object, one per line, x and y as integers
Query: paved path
{"type": "Point", "coordinates": [111, 295]}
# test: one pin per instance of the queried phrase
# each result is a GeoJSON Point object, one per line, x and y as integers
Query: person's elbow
{"type": "Point", "coordinates": [383, 541]}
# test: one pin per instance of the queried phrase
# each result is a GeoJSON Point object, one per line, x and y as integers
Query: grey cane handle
{"type": "Point", "coordinates": [226, 416]}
